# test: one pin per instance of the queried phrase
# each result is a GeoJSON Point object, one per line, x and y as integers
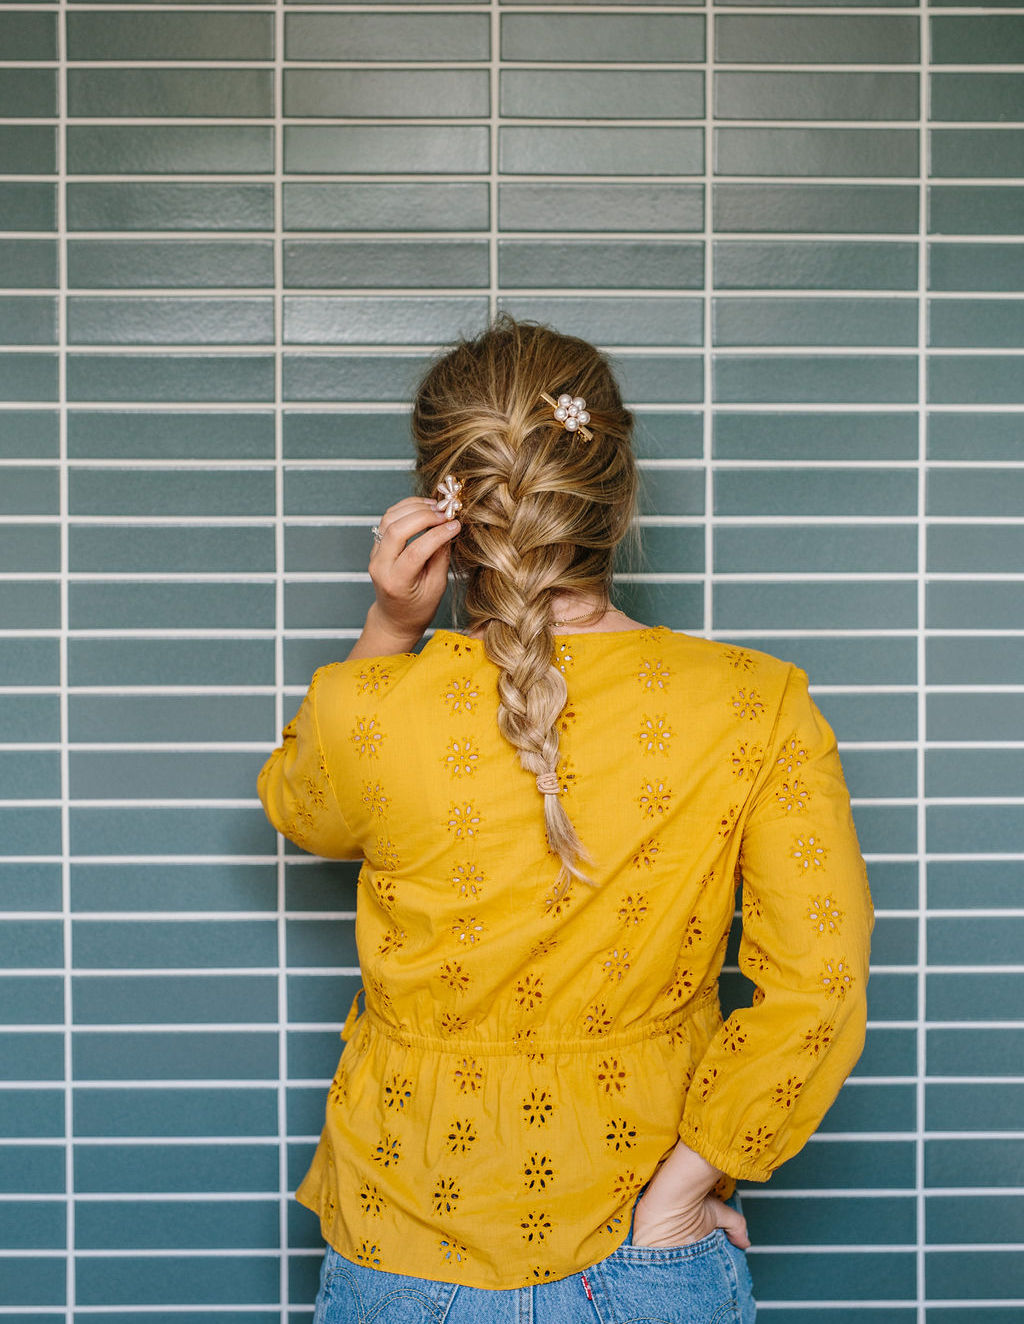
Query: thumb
{"type": "Point", "coordinates": [733, 1224]}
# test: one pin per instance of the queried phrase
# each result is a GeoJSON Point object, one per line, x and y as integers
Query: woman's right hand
{"type": "Point", "coordinates": [678, 1208]}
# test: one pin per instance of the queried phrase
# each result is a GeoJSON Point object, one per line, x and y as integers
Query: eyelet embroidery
{"type": "Point", "coordinates": [746, 760]}
{"type": "Point", "coordinates": [566, 719]}
{"type": "Point", "coordinates": [387, 1151]}
{"type": "Point", "coordinates": [377, 995]}
{"type": "Point", "coordinates": [538, 1172]}
{"type": "Point", "coordinates": [461, 1136]}
{"type": "Point", "coordinates": [375, 799]}
{"type": "Point", "coordinates": [784, 1094]}
{"type": "Point", "coordinates": [706, 1083]}
{"type": "Point", "coordinates": [611, 1076]}
{"type": "Point", "coordinates": [367, 737]}
{"type": "Point", "coordinates": [755, 959]}
{"type": "Point", "coordinates": [368, 1255]}
{"type": "Point", "coordinates": [793, 796]}
{"type": "Point", "coordinates": [836, 979]}
{"type": "Point", "coordinates": [463, 820]}
{"type": "Point", "coordinates": [792, 755]}
{"type": "Point", "coordinates": [756, 1141]}
{"type": "Point", "coordinates": [541, 1275]}
{"type": "Point", "coordinates": [338, 1093]}
{"type": "Point", "coordinates": [747, 705]}
{"type": "Point", "coordinates": [462, 758]}
{"type": "Point", "coordinates": [557, 903]}
{"type": "Point", "coordinates": [398, 1093]}
{"type": "Point", "coordinates": [446, 1195]}
{"type": "Point", "coordinates": [809, 853]}
{"type": "Point", "coordinates": [535, 1225]}
{"type": "Point", "coordinates": [460, 694]}
{"type": "Point", "coordinates": [372, 1200]}
{"type": "Point", "coordinates": [612, 1226]}
{"type": "Point", "coordinates": [524, 1042]}
{"type": "Point", "coordinates": [373, 678]}
{"type": "Point", "coordinates": [654, 798]}
{"type": "Point", "coordinates": [727, 822]}
{"type": "Point", "coordinates": [626, 1185]}
{"type": "Point", "coordinates": [566, 774]}
{"type": "Point", "coordinates": [467, 879]}
{"type": "Point", "coordinates": [597, 1020]}
{"type": "Point", "coordinates": [564, 656]}
{"type": "Point", "coordinates": [393, 941]}
{"type": "Point", "coordinates": [468, 1076]}
{"type": "Point", "coordinates": [453, 1252]}
{"type": "Point", "coordinates": [653, 675]}
{"type": "Point", "coordinates": [454, 976]}
{"type": "Point", "coordinates": [621, 1134]}
{"type": "Point", "coordinates": [682, 985]}
{"type": "Point", "coordinates": [467, 929]}
{"type": "Point", "coordinates": [654, 734]}
{"type": "Point", "coordinates": [633, 909]}
{"type": "Point", "coordinates": [529, 991]}
{"type": "Point", "coordinates": [824, 914]}
{"type": "Point", "coordinates": [739, 658]}
{"type": "Point", "coordinates": [383, 885]}
{"type": "Point", "coordinates": [387, 853]}
{"type": "Point", "coordinates": [646, 854]}
{"type": "Point", "coordinates": [694, 931]}
{"type": "Point", "coordinates": [537, 1108]}
{"type": "Point", "coordinates": [542, 948]}
{"type": "Point", "coordinates": [452, 1024]}
{"type": "Point", "coordinates": [616, 964]}
{"type": "Point", "coordinates": [734, 1035]}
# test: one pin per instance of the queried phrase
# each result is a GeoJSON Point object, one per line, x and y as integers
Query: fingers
{"type": "Point", "coordinates": [403, 519]}
{"type": "Point", "coordinates": [734, 1225]}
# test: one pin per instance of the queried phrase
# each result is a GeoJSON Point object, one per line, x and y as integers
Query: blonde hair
{"type": "Point", "coordinates": [543, 512]}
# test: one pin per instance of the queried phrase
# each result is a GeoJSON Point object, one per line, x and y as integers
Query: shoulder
{"type": "Point", "coordinates": [360, 678]}
{"type": "Point", "coordinates": [730, 664]}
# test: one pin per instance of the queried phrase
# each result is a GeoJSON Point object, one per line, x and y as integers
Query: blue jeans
{"type": "Point", "coordinates": [707, 1282]}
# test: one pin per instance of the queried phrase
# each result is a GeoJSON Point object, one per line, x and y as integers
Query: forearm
{"type": "Point", "coordinates": [379, 639]}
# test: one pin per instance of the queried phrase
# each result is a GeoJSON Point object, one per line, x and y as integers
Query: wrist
{"type": "Point", "coordinates": [382, 638]}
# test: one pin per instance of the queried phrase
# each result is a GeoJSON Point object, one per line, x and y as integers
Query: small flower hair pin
{"type": "Point", "coordinates": [571, 412]}
{"type": "Point", "coordinates": [448, 496]}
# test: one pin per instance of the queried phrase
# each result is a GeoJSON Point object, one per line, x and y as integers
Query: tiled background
{"type": "Point", "coordinates": [232, 235]}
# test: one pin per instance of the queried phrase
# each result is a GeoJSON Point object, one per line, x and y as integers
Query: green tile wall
{"type": "Point", "coordinates": [230, 237]}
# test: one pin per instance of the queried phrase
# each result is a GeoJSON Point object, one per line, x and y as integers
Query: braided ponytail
{"type": "Point", "coordinates": [542, 514]}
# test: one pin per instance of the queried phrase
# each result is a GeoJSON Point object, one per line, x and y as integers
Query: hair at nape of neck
{"type": "Point", "coordinates": [544, 508]}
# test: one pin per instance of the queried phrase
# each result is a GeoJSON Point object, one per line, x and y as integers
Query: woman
{"type": "Point", "coordinates": [540, 1109]}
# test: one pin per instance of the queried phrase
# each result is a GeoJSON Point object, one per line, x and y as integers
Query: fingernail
{"type": "Point", "coordinates": [454, 524]}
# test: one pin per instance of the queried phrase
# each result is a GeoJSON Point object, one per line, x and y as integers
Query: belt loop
{"type": "Point", "coordinates": [353, 1016]}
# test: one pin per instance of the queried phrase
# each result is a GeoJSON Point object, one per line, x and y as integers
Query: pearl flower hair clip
{"type": "Point", "coordinates": [448, 496]}
{"type": "Point", "coordinates": [571, 412]}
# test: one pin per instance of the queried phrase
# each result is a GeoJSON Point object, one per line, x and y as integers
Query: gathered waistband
{"type": "Point", "coordinates": [526, 1045]}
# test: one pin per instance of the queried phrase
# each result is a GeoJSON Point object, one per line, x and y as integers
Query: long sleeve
{"type": "Point", "coordinates": [295, 788]}
{"type": "Point", "coordinates": [774, 1068]}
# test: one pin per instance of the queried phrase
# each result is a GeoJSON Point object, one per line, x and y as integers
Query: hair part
{"type": "Point", "coordinates": [543, 513]}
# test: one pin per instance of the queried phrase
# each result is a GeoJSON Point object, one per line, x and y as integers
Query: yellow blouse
{"type": "Point", "coordinates": [525, 1061]}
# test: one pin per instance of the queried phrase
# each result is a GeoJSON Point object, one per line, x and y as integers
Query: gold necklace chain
{"type": "Point", "coordinates": [572, 620]}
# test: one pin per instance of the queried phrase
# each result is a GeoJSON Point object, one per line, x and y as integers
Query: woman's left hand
{"type": "Point", "coordinates": [678, 1208]}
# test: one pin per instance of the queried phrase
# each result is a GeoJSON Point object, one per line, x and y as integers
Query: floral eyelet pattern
{"type": "Point", "coordinates": [655, 734]}
{"type": "Point", "coordinates": [461, 758]}
{"type": "Point", "coordinates": [620, 1134]}
{"type": "Point", "coordinates": [824, 914]}
{"type": "Point", "coordinates": [367, 737]}
{"type": "Point", "coordinates": [538, 1172]}
{"type": "Point", "coordinates": [654, 798]}
{"type": "Point", "coordinates": [653, 675]}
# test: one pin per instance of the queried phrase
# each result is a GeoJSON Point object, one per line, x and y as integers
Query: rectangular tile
{"type": "Point", "coordinates": [993, 436]}
{"type": "Point", "coordinates": [973, 883]}
{"type": "Point", "coordinates": [34, 1056]}
{"type": "Point", "coordinates": [30, 774]}
{"type": "Point", "coordinates": [852, 1277]}
{"type": "Point", "coordinates": [971, 267]}
{"type": "Point", "coordinates": [966, 1162]}
{"type": "Point", "coordinates": [33, 1114]}
{"type": "Point", "coordinates": [996, 379]}
{"type": "Point", "coordinates": [977, 153]}
{"type": "Point", "coordinates": [974, 209]}
{"type": "Point", "coordinates": [978, 830]}
{"type": "Point", "coordinates": [194, 887]}
{"type": "Point", "coordinates": [821, 604]}
{"type": "Point", "coordinates": [96, 718]}
{"type": "Point", "coordinates": [627, 320]}
{"type": "Point", "coordinates": [28, 149]}
{"type": "Point", "coordinates": [35, 887]}
{"type": "Point", "coordinates": [601, 94]}
{"type": "Point", "coordinates": [816, 151]}
{"type": "Point", "coordinates": [958, 996]}
{"type": "Point", "coordinates": [33, 1225]}
{"type": "Point", "coordinates": [829, 1164]}
{"type": "Point", "coordinates": [197, 775]}
{"type": "Point", "coordinates": [980, 1273]}
{"type": "Point", "coordinates": [613, 264]}
{"type": "Point", "coordinates": [668, 436]}
{"type": "Point", "coordinates": [816, 208]}
{"type": "Point", "coordinates": [814, 436]}
{"type": "Point", "coordinates": [175, 549]}
{"type": "Point", "coordinates": [380, 320]}
{"type": "Point", "coordinates": [792, 378]}
{"type": "Point", "coordinates": [169, 35]}
{"type": "Point", "coordinates": [172, 831]}
{"type": "Point", "coordinates": [765, 549]}
{"type": "Point", "coordinates": [29, 434]}
{"type": "Point", "coordinates": [30, 604]}
{"type": "Point", "coordinates": [30, 831]}
{"type": "Point", "coordinates": [782, 264]}
{"type": "Point", "coordinates": [955, 1106]}
{"type": "Point", "coordinates": [31, 999]}
{"type": "Point", "coordinates": [600, 151]}
{"type": "Point", "coordinates": [749, 322]}
{"type": "Point", "coordinates": [366, 377]}
{"type": "Point", "coordinates": [29, 718]}
{"type": "Point", "coordinates": [170, 93]}
{"type": "Point", "coordinates": [151, 491]}
{"type": "Point", "coordinates": [166, 149]}
{"type": "Point", "coordinates": [28, 93]}
{"type": "Point", "coordinates": [878, 660]}
{"type": "Point", "coordinates": [29, 491]}
{"type": "Point", "coordinates": [320, 999]}
{"type": "Point", "coordinates": [815, 96]}
{"type": "Point", "coordinates": [964, 96]}
{"type": "Point", "coordinates": [387, 93]}
{"type": "Point", "coordinates": [28, 662]}
{"type": "Point", "coordinates": [29, 35]}
{"type": "Point", "coordinates": [994, 717]}
{"type": "Point", "coordinates": [159, 263]}
{"type": "Point", "coordinates": [174, 999]}
{"type": "Point", "coordinates": [177, 1225]}
{"type": "Point", "coordinates": [826, 491]}
{"type": "Point", "coordinates": [976, 39]}
{"type": "Point", "coordinates": [595, 207]}
{"type": "Point", "coordinates": [315, 435]}
{"type": "Point", "coordinates": [154, 205]}
{"type": "Point", "coordinates": [311, 606]}
{"type": "Point", "coordinates": [556, 38]}
{"type": "Point", "coordinates": [181, 434]}
{"type": "Point", "coordinates": [178, 606]}
{"type": "Point", "coordinates": [25, 320]}
{"type": "Point", "coordinates": [163, 378]}
{"type": "Point", "coordinates": [974, 660]}
{"type": "Point", "coordinates": [93, 320]}
{"type": "Point", "coordinates": [183, 1111]}
{"type": "Point", "coordinates": [158, 1280]}
{"type": "Point", "coordinates": [965, 491]}
{"type": "Point", "coordinates": [817, 39]}
{"type": "Point", "coordinates": [358, 206]}
{"type": "Point", "coordinates": [140, 1055]}
{"type": "Point", "coordinates": [27, 378]}
{"type": "Point", "coordinates": [976, 323]}
{"type": "Point", "coordinates": [28, 263]}
{"type": "Point", "coordinates": [115, 663]}
{"type": "Point", "coordinates": [28, 205]}
{"type": "Point", "coordinates": [150, 1169]}
{"type": "Point", "coordinates": [969, 773]}
{"type": "Point", "coordinates": [341, 263]}
{"type": "Point", "coordinates": [367, 150]}
{"type": "Point", "coordinates": [447, 38]}
{"type": "Point", "coordinates": [979, 604]}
